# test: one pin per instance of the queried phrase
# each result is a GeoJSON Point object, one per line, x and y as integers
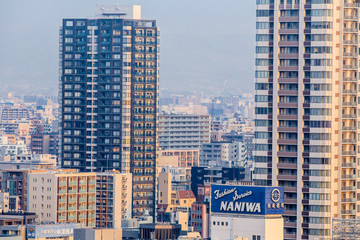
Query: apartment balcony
{"type": "Point", "coordinates": [348, 177]}
{"type": "Point", "coordinates": [348, 188]}
{"type": "Point", "coordinates": [348, 165]}
{"type": "Point", "coordinates": [351, 5]}
{"type": "Point", "coordinates": [72, 183]}
{"type": "Point", "coordinates": [349, 67]}
{"type": "Point", "coordinates": [345, 116]}
{"type": "Point", "coordinates": [348, 200]}
{"type": "Point", "coordinates": [348, 212]}
{"type": "Point", "coordinates": [288, 31]}
{"type": "Point", "coordinates": [291, 201]}
{"type": "Point", "coordinates": [350, 42]}
{"type": "Point", "coordinates": [290, 189]}
{"type": "Point", "coordinates": [350, 91]}
{"type": "Point", "coordinates": [351, 17]}
{"type": "Point", "coordinates": [287, 165]}
{"type": "Point", "coordinates": [349, 104]}
{"type": "Point", "coordinates": [350, 30]}
{"type": "Point", "coordinates": [350, 54]}
{"type": "Point", "coordinates": [349, 79]}
{"type": "Point", "coordinates": [348, 128]}
{"type": "Point", "coordinates": [144, 182]}
{"type": "Point", "coordinates": [289, 213]}
{"type": "Point", "coordinates": [289, 43]}
{"type": "Point", "coordinates": [349, 153]}
{"type": "Point", "coordinates": [290, 224]}
{"type": "Point", "coordinates": [288, 56]}
{"type": "Point", "coordinates": [287, 129]}
{"type": "Point", "coordinates": [289, 235]}
{"type": "Point", "coordinates": [287, 154]}
{"type": "Point", "coordinates": [288, 92]}
{"type": "Point", "coordinates": [348, 140]}
{"type": "Point", "coordinates": [287, 177]}
{"type": "Point", "coordinates": [62, 183]}
{"type": "Point", "coordinates": [287, 141]}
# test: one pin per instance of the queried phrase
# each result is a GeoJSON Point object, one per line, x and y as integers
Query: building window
{"type": "Point", "coordinates": [256, 237]}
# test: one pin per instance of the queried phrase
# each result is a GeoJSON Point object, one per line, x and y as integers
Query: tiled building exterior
{"type": "Point", "coordinates": [306, 137]}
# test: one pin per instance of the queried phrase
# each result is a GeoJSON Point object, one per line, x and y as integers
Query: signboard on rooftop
{"type": "Point", "coordinates": [247, 199]}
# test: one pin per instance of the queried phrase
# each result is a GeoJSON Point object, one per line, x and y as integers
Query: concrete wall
{"type": "Point", "coordinates": [227, 227]}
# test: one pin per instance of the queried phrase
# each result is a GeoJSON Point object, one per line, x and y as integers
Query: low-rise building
{"type": "Point", "coordinates": [183, 157]}
{"type": "Point", "coordinates": [63, 196]}
{"type": "Point", "coordinates": [17, 218]}
{"type": "Point", "coordinates": [159, 231]}
{"type": "Point", "coordinates": [98, 234]}
{"type": "Point", "coordinates": [29, 161]}
{"type": "Point", "coordinates": [200, 219]}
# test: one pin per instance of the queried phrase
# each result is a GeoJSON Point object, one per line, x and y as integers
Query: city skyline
{"type": "Point", "coordinates": [199, 48]}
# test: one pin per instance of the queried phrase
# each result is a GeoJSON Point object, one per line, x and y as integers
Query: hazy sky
{"type": "Point", "coordinates": [202, 42]}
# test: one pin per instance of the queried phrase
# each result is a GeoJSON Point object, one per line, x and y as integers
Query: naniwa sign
{"type": "Point", "coordinates": [247, 199]}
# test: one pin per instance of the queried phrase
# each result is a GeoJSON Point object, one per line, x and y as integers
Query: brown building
{"type": "Point", "coordinates": [159, 231]}
{"type": "Point", "coordinates": [43, 142]}
{"type": "Point", "coordinates": [200, 218]}
{"type": "Point", "coordinates": [184, 158]}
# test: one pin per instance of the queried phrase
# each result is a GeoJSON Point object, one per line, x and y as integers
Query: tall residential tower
{"type": "Point", "coordinates": [109, 97]}
{"type": "Point", "coordinates": [307, 131]}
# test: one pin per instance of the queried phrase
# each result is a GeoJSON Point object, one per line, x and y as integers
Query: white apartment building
{"type": "Point", "coordinates": [183, 131]}
{"type": "Point", "coordinates": [223, 154]}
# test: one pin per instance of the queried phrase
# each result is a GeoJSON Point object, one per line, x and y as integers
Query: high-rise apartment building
{"type": "Point", "coordinates": [307, 131]}
{"type": "Point", "coordinates": [109, 97]}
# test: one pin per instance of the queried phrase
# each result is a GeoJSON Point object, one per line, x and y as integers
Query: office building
{"type": "Point", "coordinates": [208, 175]}
{"type": "Point", "coordinates": [306, 128]}
{"type": "Point", "coordinates": [183, 131]}
{"type": "Point", "coordinates": [109, 97]}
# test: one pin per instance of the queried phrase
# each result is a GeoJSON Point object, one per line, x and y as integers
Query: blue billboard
{"type": "Point", "coordinates": [247, 199]}
{"type": "Point", "coordinates": [50, 231]}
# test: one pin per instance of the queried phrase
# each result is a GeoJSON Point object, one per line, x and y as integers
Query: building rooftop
{"type": "Point", "coordinates": [124, 12]}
